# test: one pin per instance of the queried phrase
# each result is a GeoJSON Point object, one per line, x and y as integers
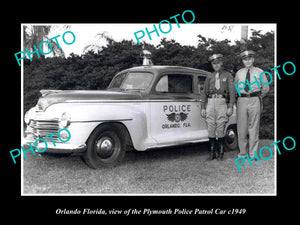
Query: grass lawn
{"type": "Point", "coordinates": [180, 170]}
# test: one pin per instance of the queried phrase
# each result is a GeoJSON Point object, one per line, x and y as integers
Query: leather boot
{"type": "Point", "coordinates": [211, 148]}
{"type": "Point", "coordinates": [220, 147]}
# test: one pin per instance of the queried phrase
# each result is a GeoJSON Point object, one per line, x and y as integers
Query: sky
{"type": "Point", "coordinates": [186, 35]}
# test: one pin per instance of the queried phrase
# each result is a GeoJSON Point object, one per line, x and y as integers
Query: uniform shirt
{"type": "Point", "coordinates": [226, 87]}
{"type": "Point", "coordinates": [254, 71]}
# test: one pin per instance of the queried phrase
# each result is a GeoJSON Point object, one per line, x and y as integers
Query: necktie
{"type": "Point", "coordinates": [217, 83]}
{"type": "Point", "coordinates": [247, 78]}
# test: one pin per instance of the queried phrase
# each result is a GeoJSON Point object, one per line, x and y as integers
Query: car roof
{"type": "Point", "coordinates": [160, 69]}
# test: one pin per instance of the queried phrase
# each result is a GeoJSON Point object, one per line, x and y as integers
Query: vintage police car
{"type": "Point", "coordinates": [143, 108]}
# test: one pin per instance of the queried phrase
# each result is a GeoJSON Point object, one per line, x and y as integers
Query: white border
{"type": "Point", "coordinates": [158, 194]}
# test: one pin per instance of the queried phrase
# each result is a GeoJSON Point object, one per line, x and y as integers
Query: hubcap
{"type": "Point", "coordinates": [105, 147]}
{"type": "Point", "coordinates": [230, 136]}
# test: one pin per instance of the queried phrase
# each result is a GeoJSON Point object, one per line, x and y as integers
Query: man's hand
{"type": "Point", "coordinates": [229, 111]}
{"type": "Point", "coordinates": [203, 112]}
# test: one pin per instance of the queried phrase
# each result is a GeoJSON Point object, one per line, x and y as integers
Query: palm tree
{"type": "Point", "coordinates": [100, 40]}
{"type": "Point", "coordinates": [35, 34]}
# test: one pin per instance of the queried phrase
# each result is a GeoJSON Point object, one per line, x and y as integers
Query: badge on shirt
{"type": "Point", "coordinates": [224, 79]}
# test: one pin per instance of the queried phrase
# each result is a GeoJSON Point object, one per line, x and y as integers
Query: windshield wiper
{"type": "Point", "coordinates": [132, 89]}
{"type": "Point", "coordinates": [129, 89]}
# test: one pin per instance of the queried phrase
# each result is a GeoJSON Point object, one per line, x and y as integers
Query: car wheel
{"type": "Point", "coordinates": [231, 138]}
{"type": "Point", "coordinates": [105, 147]}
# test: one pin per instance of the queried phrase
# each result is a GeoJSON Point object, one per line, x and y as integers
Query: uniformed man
{"type": "Point", "coordinates": [217, 101]}
{"type": "Point", "coordinates": [249, 104]}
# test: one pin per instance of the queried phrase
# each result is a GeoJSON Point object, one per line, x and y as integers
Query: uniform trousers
{"type": "Point", "coordinates": [216, 117]}
{"type": "Point", "coordinates": [248, 119]}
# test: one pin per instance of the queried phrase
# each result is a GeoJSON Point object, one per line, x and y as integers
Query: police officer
{"type": "Point", "coordinates": [217, 101]}
{"type": "Point", "coordinates": [249, 104]}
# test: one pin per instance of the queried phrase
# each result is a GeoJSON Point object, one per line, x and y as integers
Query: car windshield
{"type": "Point", "coordinates": [131, 81]}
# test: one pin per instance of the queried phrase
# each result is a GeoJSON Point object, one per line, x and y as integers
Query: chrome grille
{"type": "Point", "coordinates": [42, 128]}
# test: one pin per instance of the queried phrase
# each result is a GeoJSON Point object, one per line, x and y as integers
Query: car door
{"type": "Point", "coordinates": [175, 110]}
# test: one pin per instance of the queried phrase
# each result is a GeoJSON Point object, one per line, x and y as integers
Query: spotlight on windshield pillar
{"type": "Point", "coordinates": [146, 58]}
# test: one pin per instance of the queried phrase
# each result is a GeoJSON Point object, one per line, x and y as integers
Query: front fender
{"type": "Point", "coordinates": [85, 117]}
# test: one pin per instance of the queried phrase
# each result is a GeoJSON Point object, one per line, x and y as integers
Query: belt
{"type": "Point", "coordinates": [252, 94]}
{"type": "Point", "coordinates": [215, 96]}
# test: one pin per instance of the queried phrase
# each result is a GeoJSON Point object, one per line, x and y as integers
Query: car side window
{"type": "Point", "coordinates": [200, 84]}
{"type": "Point", "coordinates": [175, 83]}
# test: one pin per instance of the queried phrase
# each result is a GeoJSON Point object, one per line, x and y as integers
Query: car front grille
{"type": "Point", "coordinates": [42, 128]}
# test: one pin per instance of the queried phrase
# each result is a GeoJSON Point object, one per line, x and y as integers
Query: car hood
{"type": "Point", "coordinates": [50, 97]}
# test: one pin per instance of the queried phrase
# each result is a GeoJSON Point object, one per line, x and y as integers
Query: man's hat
{"type": "Point", "coordinates": [215, 57]}
{"type": "Point", "coordinates": [247, 53]}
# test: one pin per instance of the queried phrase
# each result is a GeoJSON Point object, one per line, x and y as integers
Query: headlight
{"type": "Point", "coordinates": [26, 118]}
{"type": "Point", "coordinates": [65, 120]}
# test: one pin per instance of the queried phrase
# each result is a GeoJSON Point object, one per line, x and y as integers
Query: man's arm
{"type": "Point", "coordinates": [203, 96]}
{"type": "Point", "coordinates": [232, 92]}
{"type": "Point", "coordinates": [264, 88]}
